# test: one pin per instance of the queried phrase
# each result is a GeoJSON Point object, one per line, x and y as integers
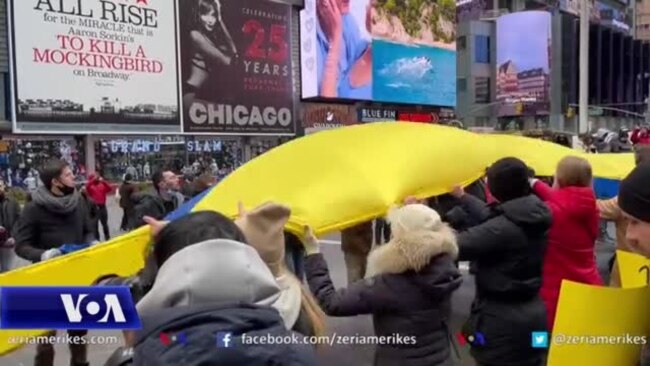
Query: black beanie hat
{"type": "Point", "coordinates": [634, 195]}
{"type": "Point", "coordinates": [508, 179]}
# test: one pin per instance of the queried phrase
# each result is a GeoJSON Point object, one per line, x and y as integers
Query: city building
{"type": "Point", "coordinates": [545, 94]}
{"type": "Point", "coordinates": [122, 127]}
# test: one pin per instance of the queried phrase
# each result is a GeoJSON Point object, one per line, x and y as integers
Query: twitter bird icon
{"type": "Point", "coordinates": [539, 339]}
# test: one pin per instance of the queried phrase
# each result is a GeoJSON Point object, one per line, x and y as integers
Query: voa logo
{"type": "Point", "coordinates": [88, 307]}
{"type": "Point", "coordinates": [76, 307]}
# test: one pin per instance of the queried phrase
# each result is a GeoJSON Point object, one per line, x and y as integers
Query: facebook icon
{"type": "Point", "coordinates": [224, 339]}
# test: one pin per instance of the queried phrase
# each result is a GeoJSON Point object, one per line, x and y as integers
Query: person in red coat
{"type": "Point", "coordinates": [570, 254]}
{"type": "Point", "coordinates": [98, 190]}
{"type": "Point", "coordinates": [640, 136]}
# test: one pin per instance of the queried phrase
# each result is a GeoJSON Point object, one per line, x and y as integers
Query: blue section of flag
{"type": "Point", "coordinates": [606, 188]}
{"type": "Point", "coordinates": [187, 206]}
{"type": "Point", "coordinates": [106, 307]}
{"type": "Point", "coordinates": [71, 248]}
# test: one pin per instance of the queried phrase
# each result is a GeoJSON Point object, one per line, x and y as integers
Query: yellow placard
{"type": "Point", "coordinates": [634, 269]}
{"type": "Point", "coordinates": [601, 324]}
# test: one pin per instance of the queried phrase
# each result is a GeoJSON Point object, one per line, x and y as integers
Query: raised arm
{"type": "Point", "coordinates": [481, 241]}
{"type": "Point", "coordinates": [542, 190]}
{"type": "Point", "coordinates": [358, 298]}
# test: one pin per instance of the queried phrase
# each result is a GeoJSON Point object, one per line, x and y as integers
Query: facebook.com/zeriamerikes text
{"type": "Point", "coordinates": [333, 339]}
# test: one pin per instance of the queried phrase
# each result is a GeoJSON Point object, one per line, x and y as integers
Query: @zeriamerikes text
{"type": "Point", "coordinates": [331, 340]}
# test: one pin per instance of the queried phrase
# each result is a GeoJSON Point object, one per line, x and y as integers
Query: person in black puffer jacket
{"type": "Point", "coordinates": [507, 252]}
{"type": "Point", "coordinates": [408, 288]}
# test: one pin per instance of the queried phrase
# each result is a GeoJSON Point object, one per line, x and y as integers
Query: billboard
{"type": "Point", "coordinates": [523, 63]}
{"type": "Point", "coordinates": [326, 116]}
{"type": "Point", "coordinates": [236, 67]}
{"type": "Point", "coordinates": [379, 50]}
{"type": "Point", "coordinates": [117, 61]}
{"type": "Point", "coordinates": [401, 114]}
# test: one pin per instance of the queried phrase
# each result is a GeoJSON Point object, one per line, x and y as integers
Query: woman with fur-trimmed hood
{"type": "Point", "coordinates": [407, 289]}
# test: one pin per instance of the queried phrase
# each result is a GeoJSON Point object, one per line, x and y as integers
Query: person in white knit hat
{"type": "Point", "coordinates": [407, 289]}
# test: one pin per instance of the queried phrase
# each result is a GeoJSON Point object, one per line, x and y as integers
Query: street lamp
{"type": "Point", "coordinates": [583, 110]}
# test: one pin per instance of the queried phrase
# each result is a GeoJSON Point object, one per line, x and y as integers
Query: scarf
{"type": "Point", "coordinates": [62, 205]}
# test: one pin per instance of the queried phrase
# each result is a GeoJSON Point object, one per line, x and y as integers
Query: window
{"type": "Point", "coordinates": [482, 49]}
{"type": "Point", "coordinates": [482, 89]}
{"type": "Point", "coordinates": [461, 42]}
{"type": "Point", "coordinates": [461, 85]}
{"type": "Point", "coordinates": [6, 102]}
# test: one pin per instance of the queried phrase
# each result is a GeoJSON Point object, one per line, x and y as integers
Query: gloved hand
{"type": "Point", "coordinates": [71, 248]}
{"type": "Point", "coordinates": [312, 246]}
{"type": "Point", "coordinates": [532, 182]}
{"type": "Point", "coordinates": [49, 254]}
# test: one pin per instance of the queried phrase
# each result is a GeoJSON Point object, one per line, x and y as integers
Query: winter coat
{"type": "Point", "coordinates": [42, 226]}
{"type": "Point", "coordinates": [152, 204]}
{"type": "Point", "coordinates": [357, 240]}
{"type": "Point", "coordinates": [451, 210]}
{"type": "Point", "coordinates": [188, 336]}
{"type": "Point", "coordinates": [570, 254]}
{"type": "Point", "coordinates": [98, 190]}
{"type": "Point", "coordinates": [402, 301]}
{"type": "Point", "coordinates": [127, 190]}
{"type": "Point", "coordinates": [640, 137]}
{"type": "Point", "coordinates": [610, 211]}
{"type": "Point", "coordinates": [9, 214]}
{"type": "Point", "coordinates": [506, 252]}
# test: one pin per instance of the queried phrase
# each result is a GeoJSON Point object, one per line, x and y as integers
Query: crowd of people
{"type": "Point", "coordinates": [521, 236]}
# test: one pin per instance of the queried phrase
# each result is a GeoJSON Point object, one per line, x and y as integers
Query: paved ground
{"type": "Point", "coordinates": [338, 355]}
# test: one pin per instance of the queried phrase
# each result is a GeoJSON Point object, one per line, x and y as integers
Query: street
{"type": "Point", "coordinates": [337, 355]}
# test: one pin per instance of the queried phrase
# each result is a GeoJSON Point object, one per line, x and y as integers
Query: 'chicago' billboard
{"type": "Point", "coordinates": [523, 63]}
{"type": "Point", "coordinates": [236, 67]}
{"type": "Point", "coordinates": [94, 66]}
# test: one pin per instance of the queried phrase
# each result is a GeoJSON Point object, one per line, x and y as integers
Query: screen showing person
{"type": "Point", "coordinates": [344, 49]}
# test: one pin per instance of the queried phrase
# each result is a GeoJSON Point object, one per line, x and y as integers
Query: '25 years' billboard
{"type": "Point", "coordinates": [236, 67]}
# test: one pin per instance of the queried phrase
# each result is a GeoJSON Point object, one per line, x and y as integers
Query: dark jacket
{"type": "Point", "coordinates": [404, 300]}
{"type": "Point", "coordinates": [451, 209]}
{"type": "Point", "coordinates": [152, 204]}
{"type": "Point", "coordinates": [126, 191]}
{"type": "Point", "coordinates": [507, 253]}
{"type": "Point", "coordinates": [41, 228]}
{"type": "Point", "coordinates": [197, 329]}
{"type": "Point", "coordinates": [9, 213]}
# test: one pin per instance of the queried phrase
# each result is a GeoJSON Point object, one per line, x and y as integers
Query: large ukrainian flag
{"type": "Point", "coordinates": [336, 179]}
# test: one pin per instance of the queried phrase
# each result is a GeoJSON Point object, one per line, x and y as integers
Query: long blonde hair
{"type": "Point", "coordinates": [308, 303]}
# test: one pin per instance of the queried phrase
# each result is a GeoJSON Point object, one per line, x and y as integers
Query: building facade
{"type": "Point", "coordinates": [114, 152]}
{"type": "Point", "coordinates": [540, 97]}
